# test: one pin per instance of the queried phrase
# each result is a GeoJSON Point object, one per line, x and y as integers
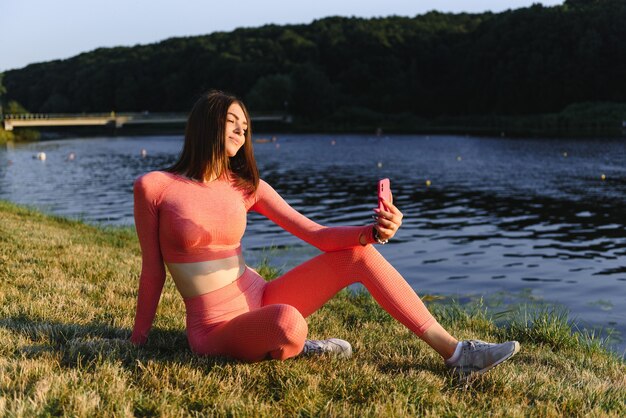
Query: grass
{"type": "Point", "coordinates": [67, 297]}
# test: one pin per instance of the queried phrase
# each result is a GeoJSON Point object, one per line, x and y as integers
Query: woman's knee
{"type": "Point", "coordinates": [290, 323]}
{"type": "Point", "coordinates": [291, 330]}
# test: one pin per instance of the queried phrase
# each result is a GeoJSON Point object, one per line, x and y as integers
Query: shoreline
{"type": "Point", "coordinates": [44, 136]}
{"type": "Point", "coordinates": [578, 120]}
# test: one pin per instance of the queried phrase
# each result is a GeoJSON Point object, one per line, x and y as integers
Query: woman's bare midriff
{"type": "Point", "coordinates": [193, 279]}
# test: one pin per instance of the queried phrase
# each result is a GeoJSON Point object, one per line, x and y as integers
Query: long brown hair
{"type": "Point", "coordinates": [204, 151]}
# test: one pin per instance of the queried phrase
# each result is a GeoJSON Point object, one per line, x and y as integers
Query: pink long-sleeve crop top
{"type": "Point", "coordinates": [179, 220]}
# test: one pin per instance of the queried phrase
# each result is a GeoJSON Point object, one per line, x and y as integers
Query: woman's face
{"type": "Point", "coordinates": [236, 126]}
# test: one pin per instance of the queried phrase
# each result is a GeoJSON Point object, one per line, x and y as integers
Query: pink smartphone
{"type": "Point", "coordinates": [384, 192]}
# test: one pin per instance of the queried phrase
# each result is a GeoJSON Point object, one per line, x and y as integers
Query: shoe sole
{"type": "Point", "coordinates": [491, 366]}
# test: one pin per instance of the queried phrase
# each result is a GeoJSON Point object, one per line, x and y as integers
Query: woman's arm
{"type": "Point", "coordinates": [152, 267]}
{"type": "Point", "coordinates": [270, 204]}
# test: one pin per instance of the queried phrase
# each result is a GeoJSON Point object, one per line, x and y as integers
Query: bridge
{"type": "Point", "coordinates": [33, 120]}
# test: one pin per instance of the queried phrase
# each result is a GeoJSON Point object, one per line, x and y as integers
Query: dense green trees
{"type": "Point", "coordinates": [3, 90]}
{"type": "Point", "coordinates": [13, 107]}
{"type": "Point", "coordinates": [518, 62]}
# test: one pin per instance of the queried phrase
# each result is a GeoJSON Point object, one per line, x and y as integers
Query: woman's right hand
{"type": "Point", "coordinates": [388, 220]}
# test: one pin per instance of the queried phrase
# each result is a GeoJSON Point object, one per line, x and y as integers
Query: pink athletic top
{"type": "Point", "coordinates": [179, 220]}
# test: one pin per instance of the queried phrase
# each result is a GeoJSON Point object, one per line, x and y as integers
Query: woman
{"type": "Point", "coordinates": [191, 218]}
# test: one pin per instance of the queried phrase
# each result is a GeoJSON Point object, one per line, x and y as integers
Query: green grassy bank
{"type": "Point", "coordinates": [67, 295]}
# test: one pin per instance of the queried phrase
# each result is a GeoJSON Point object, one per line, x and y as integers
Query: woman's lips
{"type": "Point", "coordinates": [235, 140]}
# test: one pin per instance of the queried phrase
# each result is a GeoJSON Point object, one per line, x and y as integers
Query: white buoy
{"type": "Point", "coordinates": [458, 158]}
{"type": "Point", "coordinates": [41, 156]}
{"type": "Point", "coordinates": [379, 165]}
{"type": "Point", "coordinates": [144, 153]}
{"type": "Point", "coordinates": [333, 142]}
{"type": "Point", "coordinates": [71, 156]}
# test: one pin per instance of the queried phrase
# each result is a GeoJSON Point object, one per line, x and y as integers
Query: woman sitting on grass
{"type": "Point", "coordinates": [191, 217]}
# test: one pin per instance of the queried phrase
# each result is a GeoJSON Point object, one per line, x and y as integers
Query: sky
{"type": "Point", "coordinates": [43, 30]}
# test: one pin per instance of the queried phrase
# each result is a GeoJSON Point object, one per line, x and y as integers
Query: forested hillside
{"type": "Point", "coordinates": [519, 62]}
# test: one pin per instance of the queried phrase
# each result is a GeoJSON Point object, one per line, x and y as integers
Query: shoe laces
{"type": "Point", "coordinates": [313, 346]}
{"type": "Point", "coordinates": [475, 344]}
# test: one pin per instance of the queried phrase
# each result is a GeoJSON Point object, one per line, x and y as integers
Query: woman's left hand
{"type": "Point", "coordinates": [388, 220]}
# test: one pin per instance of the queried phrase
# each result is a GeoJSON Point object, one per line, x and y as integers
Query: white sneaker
{"type": "Point", "coordinates": [335, 346]}
{"type": "Point", "coordinates": [478, 356]}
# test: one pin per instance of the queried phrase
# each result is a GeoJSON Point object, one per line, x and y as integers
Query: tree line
{"type": "Point", "coordinates": [352, 71]}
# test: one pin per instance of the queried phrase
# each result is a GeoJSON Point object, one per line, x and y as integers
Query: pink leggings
{"type": "Point", "coordinates": [251, 319]}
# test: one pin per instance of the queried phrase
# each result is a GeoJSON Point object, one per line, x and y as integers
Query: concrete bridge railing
{"type": "Point", "coordinates": [11, 121]}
